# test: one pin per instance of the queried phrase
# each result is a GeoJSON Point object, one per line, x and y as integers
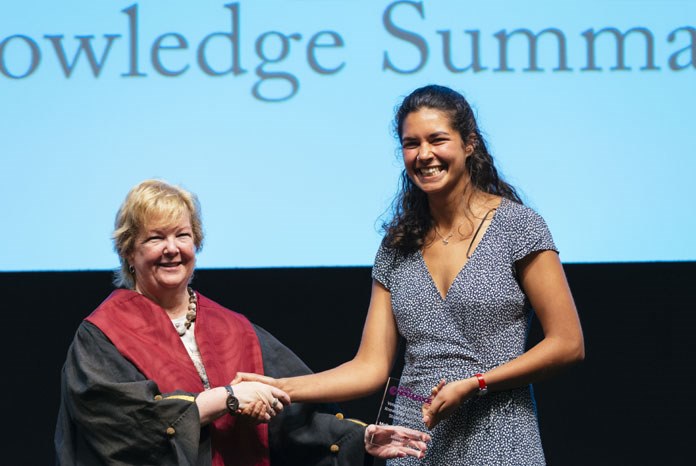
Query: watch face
{"type": "Point", "coordinates": [232, 403]}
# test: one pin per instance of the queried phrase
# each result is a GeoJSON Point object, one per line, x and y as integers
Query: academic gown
{"type": "Point", "coordinates": [110, 413]}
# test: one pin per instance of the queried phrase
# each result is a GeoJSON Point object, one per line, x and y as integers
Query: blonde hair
{"type": "Point", "coordinates": [151, 199]}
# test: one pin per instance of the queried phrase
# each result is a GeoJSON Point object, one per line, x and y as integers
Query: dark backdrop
{"type": "Point", "coordinates": [629, 403]}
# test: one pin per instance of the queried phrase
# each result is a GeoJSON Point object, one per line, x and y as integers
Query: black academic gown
{"type": "Point", "coordinates": [103, 422]}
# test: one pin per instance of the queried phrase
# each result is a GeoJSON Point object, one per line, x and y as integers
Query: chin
{"type": "Point", "coordinates": [172, 282]}
{"type": "Point", "coordinates": [431, 188]}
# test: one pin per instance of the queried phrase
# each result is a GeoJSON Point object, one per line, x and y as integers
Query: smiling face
{"type": "Point", "coordinates": [434, 153]}
{"type": "Point", "coordinates": [164, 257]}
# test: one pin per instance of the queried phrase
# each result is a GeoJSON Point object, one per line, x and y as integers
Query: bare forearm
{"type": "Point", "coordinates": [353, 379]}
{"type": "Point", "coordinates": [543, 360]}
{"type": "Point", "coordinates": [549, 356]}
{"type": "Point", "coordinates": [544, 283]}
{"type": "Point", "coordinates": [366, 372]}
{"type": "Point", "coordinates": [362, 375]}
{"type": "Point", "coordinates": [211, 404]}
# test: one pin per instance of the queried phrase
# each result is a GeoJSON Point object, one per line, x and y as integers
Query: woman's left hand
{"type": "Point", "coordinates": [447, 398]}
{"type": "Point", "coordinates": [395, 442]}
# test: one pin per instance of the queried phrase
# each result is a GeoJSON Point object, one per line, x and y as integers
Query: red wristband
{"type": "Point", "coordinates": [483, 387]}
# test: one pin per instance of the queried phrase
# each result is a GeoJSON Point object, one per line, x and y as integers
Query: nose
{"type": "Point", "coordinates": [424, 154]}
{"type": "Point", "coordinates": [170, 247]}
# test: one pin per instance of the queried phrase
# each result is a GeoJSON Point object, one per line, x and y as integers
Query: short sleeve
{"type": "Point", "coordinates": [533, 235]}
{"type": "Point", "coordinates": [384, 265]}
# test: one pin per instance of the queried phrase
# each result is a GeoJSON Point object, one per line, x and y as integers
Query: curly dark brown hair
{"type": "Point", "coordinates": [411, 221]}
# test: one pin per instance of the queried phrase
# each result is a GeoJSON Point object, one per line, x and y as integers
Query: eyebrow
{"type": "Point", "coordinates": [162, 229]}
{"type": "Point", "coordinates": [431, 135]}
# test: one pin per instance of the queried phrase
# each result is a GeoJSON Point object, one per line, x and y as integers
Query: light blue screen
{"type": "Point", "coordinates": [277, 113]}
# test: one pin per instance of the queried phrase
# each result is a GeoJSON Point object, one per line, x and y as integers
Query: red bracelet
{"type": "Point", "coordinates": [483, 387]}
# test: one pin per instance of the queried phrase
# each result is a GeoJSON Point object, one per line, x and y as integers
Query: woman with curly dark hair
{"type": "Point", "coordinates": [462, 268]}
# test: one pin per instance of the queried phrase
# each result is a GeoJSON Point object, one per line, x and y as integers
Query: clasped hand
{"type": "Point", "coordinates": [383, 442]}
{"type": "Point", "coordinates": [258, 401]}
{"type": "Point", "coordinates": [446, 397]}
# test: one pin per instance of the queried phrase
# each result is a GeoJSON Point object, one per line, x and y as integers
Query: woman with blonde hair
{"type": "Point", "coordinates": [147, 379]}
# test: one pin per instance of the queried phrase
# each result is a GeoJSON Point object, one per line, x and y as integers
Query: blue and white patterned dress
{"type": "Point", "coordinates": [482, 323]}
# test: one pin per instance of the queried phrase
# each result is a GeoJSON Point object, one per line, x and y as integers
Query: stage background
{"type": "Point", "coordinates": [277, 113]}
{"type": "Point", "coordinates": [629, 403]}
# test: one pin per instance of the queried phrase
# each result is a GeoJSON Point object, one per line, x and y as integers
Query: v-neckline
{"type": "Point", "coordinates": [442, 297]}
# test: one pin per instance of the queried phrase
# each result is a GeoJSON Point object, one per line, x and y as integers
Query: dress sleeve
{"type": "Point", "coordinates": [383, 266]}
{"type": "Point", "coordinates": [111, 414]}
{"type": "Point", "coordinates": [532, 236]}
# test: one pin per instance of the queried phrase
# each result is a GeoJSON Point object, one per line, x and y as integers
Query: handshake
{"type": "Point", "coordinates": [261, 402]}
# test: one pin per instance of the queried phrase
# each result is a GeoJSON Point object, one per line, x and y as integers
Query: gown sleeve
{"type": "Point", "coordinates": [111, 414]}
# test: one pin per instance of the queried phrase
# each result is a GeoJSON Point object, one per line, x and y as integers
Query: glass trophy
{"type": "Point", "coordinates": [400, 407]}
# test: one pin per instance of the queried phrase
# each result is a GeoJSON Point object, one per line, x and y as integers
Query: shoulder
{"type": "Point", "coordinates": [90, 335]}
{"type": "Point", "coordinates": [116, 310]}
{"type": "Point", "coordinates": [215, 308]}
{"type": "Point", "coordinates": [391, 254]}
{"type": "Point", "coordinates": [388, 258]}
{"type": "Point", "coordinates": [115, 301]}
{"type": "Point", "coordinates": [524, 229]}
{"type": "Point", "coordinates": [516, 216]}
{"type": "Point", "coordinates": [213, 316]}
{"type": "Point", "coordinates": [388, 264]}
{"type": "Point", "coordinates": [385, 253]}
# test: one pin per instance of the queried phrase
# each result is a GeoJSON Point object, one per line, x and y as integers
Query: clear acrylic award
{"type": "Point", "coordinates": [401, 407]}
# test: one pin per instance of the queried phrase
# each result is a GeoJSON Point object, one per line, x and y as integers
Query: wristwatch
{"type": "Point", "coordinates": [232, 401]}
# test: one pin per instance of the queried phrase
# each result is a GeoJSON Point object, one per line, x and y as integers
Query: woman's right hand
{"type": "Point", "coordinates": [252, 377]}
{"type": "Point", "coordinates": [259, 401]}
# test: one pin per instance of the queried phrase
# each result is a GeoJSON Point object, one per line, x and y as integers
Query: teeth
{"type": "Point", "coordinates": [429, 171]}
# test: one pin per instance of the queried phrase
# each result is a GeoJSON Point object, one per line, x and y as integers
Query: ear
{"type": "Point", "coordinates": [470, 143]}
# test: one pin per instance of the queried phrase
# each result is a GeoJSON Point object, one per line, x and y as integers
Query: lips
{"type": "Point", "coordinates": [169, 264]}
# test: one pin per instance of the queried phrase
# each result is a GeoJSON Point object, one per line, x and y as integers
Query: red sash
{"type": "Point", "coordinates": [143, 333]}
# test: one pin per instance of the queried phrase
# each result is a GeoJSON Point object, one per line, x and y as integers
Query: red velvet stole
{"type": "Point", "coordinates": [143, 333]}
